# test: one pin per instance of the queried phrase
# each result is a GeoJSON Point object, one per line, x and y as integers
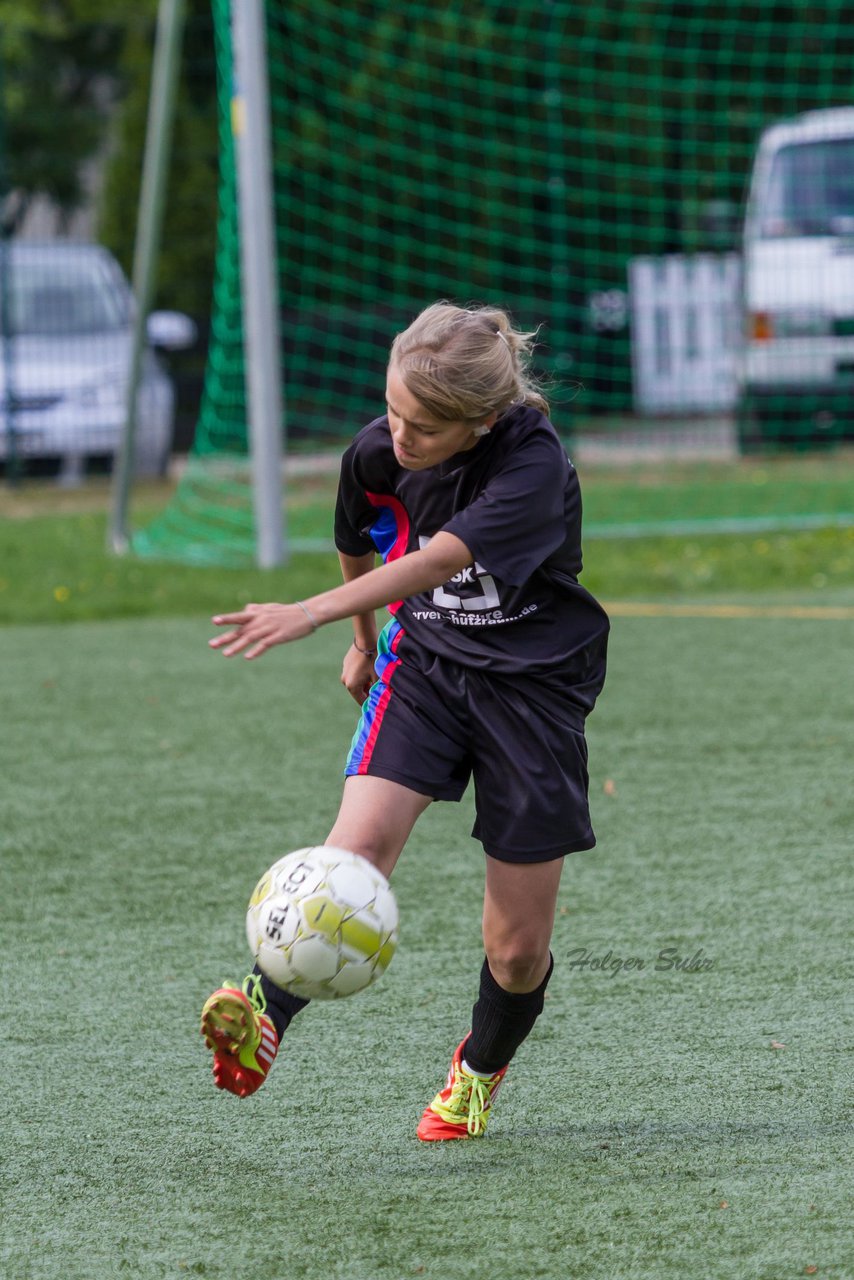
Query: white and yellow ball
{"type": "Point", "coordinates": [322, 923]}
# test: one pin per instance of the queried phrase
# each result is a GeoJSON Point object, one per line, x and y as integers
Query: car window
{"type": "Point", "coordinates": [62, 298]}
{"type": "Point", "coordinates": [810, 190]}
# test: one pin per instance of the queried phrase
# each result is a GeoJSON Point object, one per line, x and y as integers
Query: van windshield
{"type": "Point", "coordinates": [811, 190]}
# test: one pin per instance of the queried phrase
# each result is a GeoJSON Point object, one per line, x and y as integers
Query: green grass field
{"type": "Point", "coordinates": [744, 521]}
{"type": "Point", "coordinates": [661, 1123]}
{"type": "Point", "coordinates": [649, 1128]}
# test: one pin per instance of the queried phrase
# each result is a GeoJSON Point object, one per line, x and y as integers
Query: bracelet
{"type": "Point", "coordinates": [369, 653]}
{"type": "Point", "coordinates": [308, 614]}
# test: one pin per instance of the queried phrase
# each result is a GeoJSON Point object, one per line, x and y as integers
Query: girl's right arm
{"type": "Point", "coordinates": [357, 672]}
{"type": "Point", "coordinates": [257, 627]}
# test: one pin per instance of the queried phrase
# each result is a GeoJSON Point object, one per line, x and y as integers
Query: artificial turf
{"type": "Point", "coordinates": [56, 569]}
{"type": "Point", "coordinates": [750, 526]}
{"type": "Point", "coordinates": [659, 1123]}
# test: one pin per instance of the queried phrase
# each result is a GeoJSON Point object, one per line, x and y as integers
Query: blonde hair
{"type": "Point", "coordinates": [465, 363]}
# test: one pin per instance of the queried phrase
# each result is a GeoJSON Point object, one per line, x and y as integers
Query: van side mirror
{"type": "Point", "coordinates": [171, 330]}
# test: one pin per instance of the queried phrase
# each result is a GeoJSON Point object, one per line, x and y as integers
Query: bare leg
{"type": "Point", "coordinates": [518, 917]}
{"type": "Point", "coordinates": [376, 818]}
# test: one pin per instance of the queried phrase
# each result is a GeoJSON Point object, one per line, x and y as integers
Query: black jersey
{"type": "Point", "coordinates": [515, 501]}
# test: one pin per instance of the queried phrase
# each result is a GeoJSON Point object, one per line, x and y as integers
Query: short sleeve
{"type": "Point", "coordinates": [353, 512]}
{"type": "Point", "coordinates": [526, 511]}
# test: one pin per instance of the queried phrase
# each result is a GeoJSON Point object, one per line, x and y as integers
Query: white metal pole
{"type": "Point", "coordinates": [152, 197]}
{"type": "Point", "coordinates": [250, 118]}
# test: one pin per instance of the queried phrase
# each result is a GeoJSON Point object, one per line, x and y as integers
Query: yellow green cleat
{"type": "Point", "coordinates": [461, 1109]}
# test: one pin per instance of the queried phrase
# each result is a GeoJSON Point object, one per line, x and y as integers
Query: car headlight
{"type": "Point", "coordinates": [796, 323]}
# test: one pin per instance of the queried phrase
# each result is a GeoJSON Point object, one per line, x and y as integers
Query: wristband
{"type": "Point", "coordinates": [308, 614]}
{"type": "Point", "coordinates": [369, 653]}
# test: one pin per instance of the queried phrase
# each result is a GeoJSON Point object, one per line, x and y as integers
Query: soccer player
{"type": "Point", "coordinates": [492, 659]}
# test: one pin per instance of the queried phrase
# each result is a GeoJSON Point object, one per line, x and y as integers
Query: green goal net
{"type": "Point", "coordinates": [586, 166]}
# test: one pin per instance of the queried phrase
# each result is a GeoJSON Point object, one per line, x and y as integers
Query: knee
{"type": "Point", "coordinates": [383, 855]}
{"type": "Point", "coordinates": [374, 846]}
{"type": "Point", "coordinates": [518, 964]}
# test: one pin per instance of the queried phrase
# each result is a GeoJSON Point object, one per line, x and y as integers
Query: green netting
{"type": "Point", "coordinates": [211, 520]}
{"type": "Point", "coordinates": [585, 165]}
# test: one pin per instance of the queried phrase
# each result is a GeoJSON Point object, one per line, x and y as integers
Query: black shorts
{"type": "Point", "coordinates": [431, 725]}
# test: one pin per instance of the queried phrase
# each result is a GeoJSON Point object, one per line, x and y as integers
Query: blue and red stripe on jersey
{"type": "Point", "coordinates": [364, 739]}
{"type": "Point", "coordinates": [390, 530]}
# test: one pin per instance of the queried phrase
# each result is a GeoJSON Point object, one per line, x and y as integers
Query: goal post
{"type": "Point", "coordinates": [255, 466]}
{"type": "Point", "coordinates": [250, 117]}
{"type": "Point", "coordinates": [152, 198]}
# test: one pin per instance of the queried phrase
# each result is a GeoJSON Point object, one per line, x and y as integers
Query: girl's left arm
{"type": "Point", "coordinates": [258, 627]}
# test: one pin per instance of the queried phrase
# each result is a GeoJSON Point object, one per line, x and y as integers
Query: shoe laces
{"type": "Point", "coordinates": [471, 1097]}
{"type": "Point", "coordinates": [254, 992]}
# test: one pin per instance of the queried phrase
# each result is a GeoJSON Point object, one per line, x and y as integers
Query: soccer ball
{"type": "Point", "coordinates": [322, 923]}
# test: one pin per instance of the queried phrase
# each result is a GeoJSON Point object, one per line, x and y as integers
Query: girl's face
{"type": "Point", "coordinates": [420, 440]}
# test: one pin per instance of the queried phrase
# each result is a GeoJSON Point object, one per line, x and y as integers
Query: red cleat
{"type": "Point", "coordinates": [461, 1109]}
{"type": "Point", "coordinates": [240, 1034]}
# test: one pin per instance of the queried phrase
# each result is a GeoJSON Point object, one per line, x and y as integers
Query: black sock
{"type": "Point", "coordinates": [500, 1021]}
{"type": "Point", "coordinates": [281, 1005]}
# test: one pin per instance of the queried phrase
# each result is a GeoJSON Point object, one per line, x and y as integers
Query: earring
{"type": "Point", "coordinates": [482, 431]}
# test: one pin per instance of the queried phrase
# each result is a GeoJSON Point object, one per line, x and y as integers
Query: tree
{"type": "Point", "coordinates": [74, 86]}
{"type": "Point", "coordinates": [58, 66]}
{"type": "Point", "coordinates": [185, 266]}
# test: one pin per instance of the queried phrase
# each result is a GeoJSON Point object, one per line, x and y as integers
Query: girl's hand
{"type": "Point", "coordinates": [357, 674]}
{"type": "Point", "coordinates": [260, 626]}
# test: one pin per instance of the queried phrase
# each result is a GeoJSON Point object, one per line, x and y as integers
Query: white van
{"type": "Point", "coordinates": [797, 375]}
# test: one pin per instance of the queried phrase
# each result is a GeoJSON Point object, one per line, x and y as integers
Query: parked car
{"type": "Point", "coordinates": [797, 376]}
{"type": "Point", "coordinates": [66, 313]}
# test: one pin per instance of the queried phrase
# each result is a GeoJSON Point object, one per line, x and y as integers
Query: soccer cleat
{"type": "Point", "coordinates": [461, 1109]}
{"type": "Point", "coordinates": [243, 1039]}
